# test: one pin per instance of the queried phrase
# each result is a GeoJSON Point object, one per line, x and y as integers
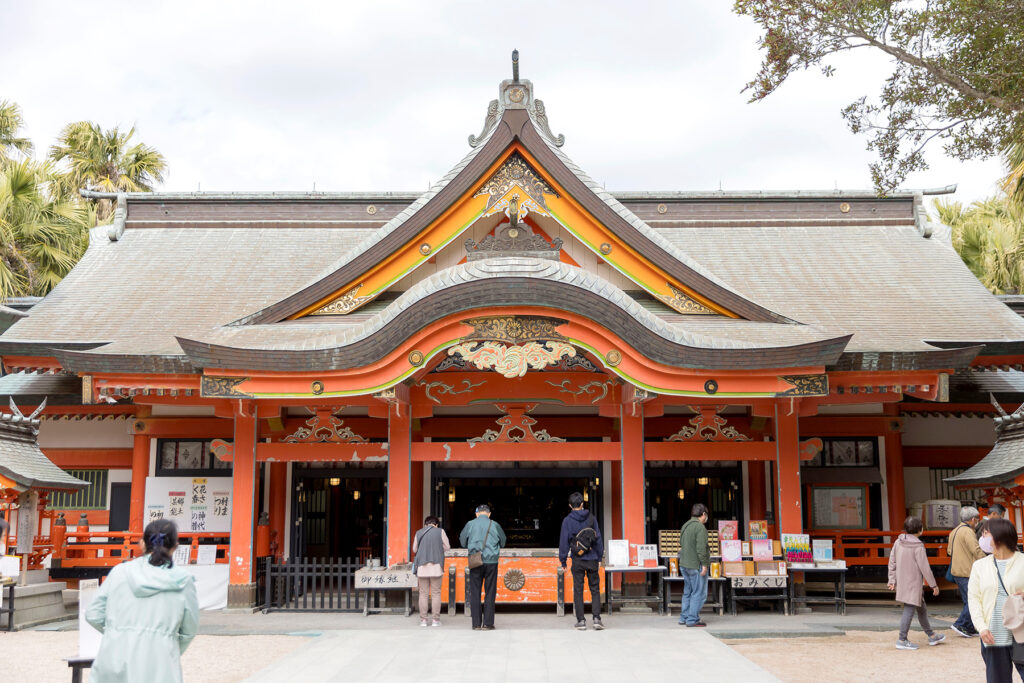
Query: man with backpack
{"type": "Point", "coordinates": [581, 538]}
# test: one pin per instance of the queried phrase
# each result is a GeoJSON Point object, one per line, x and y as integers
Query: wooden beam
{"type": "Point", "coordinates": [943, 456]}
{"type": "Point", "coordinates": [90, 458]}
{"type": "Point", "coordinates": [729, 451]}
{"type": "Point", "coordinates": [322, 452]}
{"type": "Point", "coordinates": [184, 427]}
{"type": "Point", "coordinates": [511, 452]}
{"type": "Point", "coordinates": [839, 425]}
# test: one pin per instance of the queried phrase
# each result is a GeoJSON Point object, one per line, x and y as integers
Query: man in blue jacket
{"type": "Point", "coordinates": [483, 535]}
{"type": "Point", "coordinates": [581, 538]}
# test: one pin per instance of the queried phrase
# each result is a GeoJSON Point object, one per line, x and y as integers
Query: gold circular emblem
{"type": "Point", "coordinates": [416, 358]}
{"type": "Point", "coordinates": [371, 209]}
{"type": "Point", "coordinates": [513, 233]}
{"type": "Point", "coordinates": [425, 248]}
{"type": "Point", "coordinates": [662, 208]}
{"type": "Point", "coordinates": [514, 579]}
{"type": "Point", "coordinates": [317, 387]}
{"type": "Point", "coordinates": [139, 426]}
{"type": "Point", "coordinates": [516, 94]}
{"type": "Point", "coordinates": [605, 248]}
{"type": "Point", "coordinates": [613, 357]}
{"type": "Point", "coordinates": [844, 207]}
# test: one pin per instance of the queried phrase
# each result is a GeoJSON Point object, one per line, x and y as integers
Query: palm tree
{"type": "Point", "coordinates": [11, 122]}
{"type": "Point", "coordinates": [989, 236]}
{"type": "Point", "coordinates": [41, 237]}
{"type": "Point", "coordinates": [1013, 183]}
{"type": "Point", "coordinates": [105, 160]}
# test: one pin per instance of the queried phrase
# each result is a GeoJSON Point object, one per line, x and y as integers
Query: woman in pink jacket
{"type": "Point", "coordinates": [908, 572]}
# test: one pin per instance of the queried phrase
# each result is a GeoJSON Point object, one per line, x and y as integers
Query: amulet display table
{"type": "Point", "coordinates": [838, 597]}
{"type": "Point", "coordinates": [610, 600]}
{"type": "Point", "coordinates": [716, 593]}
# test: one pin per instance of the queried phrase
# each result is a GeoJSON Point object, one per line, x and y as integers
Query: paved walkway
{"type": "Point", "coordinates": [452, 655]}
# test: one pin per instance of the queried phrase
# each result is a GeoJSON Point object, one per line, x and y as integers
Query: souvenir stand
{"type": "Point", "coordinates": [668, 544]}
{"type": "Point", "coordinates": [821, 565]}
{"type": "Point", "coordinates": [630, 558]}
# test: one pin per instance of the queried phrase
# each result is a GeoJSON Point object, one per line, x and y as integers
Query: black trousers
{"type": "Point", "coordinates": [998, 665]}
{"type": "Point", "coordinates": [488, 576]}
{"type": "Point", "coordinates": [587, 569]}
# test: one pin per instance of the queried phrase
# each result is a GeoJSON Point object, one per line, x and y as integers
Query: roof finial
{"type": "Point", "coordinates": [515, 66]}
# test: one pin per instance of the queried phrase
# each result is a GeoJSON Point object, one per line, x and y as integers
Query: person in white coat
{"type": "Point", "coordinates": [148, 613]}
{"type": "Point", "coordinates": [993, 579]}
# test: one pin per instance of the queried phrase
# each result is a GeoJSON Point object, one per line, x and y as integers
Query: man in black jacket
{"type": "Point", "coordinates": [581, 538]}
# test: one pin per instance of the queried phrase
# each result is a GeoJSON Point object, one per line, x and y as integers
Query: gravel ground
{"type": "Point", "coordinates": [864, 656]}
{"type": "Point", "coordinates": [37, 655]}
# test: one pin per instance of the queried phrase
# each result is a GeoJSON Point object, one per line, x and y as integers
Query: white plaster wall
{"type": "Point", "coordinates": [84, 434]}
{"type": "Point", "coordinates": [917, 485]}
{"type": "Point", "coordinates": [197, 411]}
{"type": "Point", "coordinates": [851, 409]}
{"type": "Point", "coordinates": [948, 431]}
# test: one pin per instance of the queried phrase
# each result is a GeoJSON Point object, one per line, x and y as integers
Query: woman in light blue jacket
{"type": "Point", "coordinates": [148, 613]}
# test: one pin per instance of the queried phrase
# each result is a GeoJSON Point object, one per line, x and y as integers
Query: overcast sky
{"type": "Point", "coordinates": [382, 95]}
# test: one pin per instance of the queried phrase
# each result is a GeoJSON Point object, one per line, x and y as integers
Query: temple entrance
{"type": "Point", "coordinates": [674, 488]}
{"type": "Point", "coordinates": [530, 503]}
{"type": "Point", "coordinates": [338, 512]}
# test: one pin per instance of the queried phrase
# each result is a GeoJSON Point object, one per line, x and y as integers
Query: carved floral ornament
{"type": "Point", "coordinates": [346, 303]}
{"type": "Point", "coordinates": [515, 172]}
{"type": "Point", "coordinates": [707, 425]}
{"type": "Point", "coordinates": [514, 329]}
{"type": "Point", "coordinates": [681, 302]}
{"type": "Point", "coordinates": [516, 427]}
{"type": "Point", "coordinates": [324, 427]}
{"type": "Point", "coordinates": [512, 361]}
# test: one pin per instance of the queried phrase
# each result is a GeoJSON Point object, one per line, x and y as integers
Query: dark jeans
{"type": "Point", "coordinates": [586, 569]}
{"type": "Point", "coordinates": [998, 665]}
{"type": "Point", "coordinates": [488, 576]}
{"type": "Point", "coordinates": [963, 622]}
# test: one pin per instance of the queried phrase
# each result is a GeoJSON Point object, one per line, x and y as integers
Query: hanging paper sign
{"type": "Point", "coordinates": [194, 504]}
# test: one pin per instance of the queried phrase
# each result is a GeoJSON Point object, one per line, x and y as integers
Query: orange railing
{"type": "Point", "coordinates": [870, 548]}
{"type": "Point", "coordinates": [108, 548]}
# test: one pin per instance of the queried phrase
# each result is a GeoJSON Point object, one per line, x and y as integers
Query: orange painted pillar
{"type": "Point", "coordinates": [788, 513]}
{"type": "Point", "coordinates": [633, 494]}
{"type": "Point", "coordinates": [894, 470]}
{"type": "Point", "coordinates": [399, 483]}
{"type": "Point", "coordinates": [241, 589]}
{"type": "Point", "coordinates": [278, 494]}
{"type": "Point", "coordinates": [140, 470]}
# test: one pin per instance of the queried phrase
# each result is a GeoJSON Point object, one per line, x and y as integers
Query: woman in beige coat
{"type": "Point", "coordinates": [908, 572]}
{"type": "Point", "coordinates": [993, 580]}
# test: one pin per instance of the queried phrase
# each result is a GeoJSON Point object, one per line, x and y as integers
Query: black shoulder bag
{"type": "Point", "coordinates": [1017, 649]}
{"type": "Point", "coordinates": [477, 559]}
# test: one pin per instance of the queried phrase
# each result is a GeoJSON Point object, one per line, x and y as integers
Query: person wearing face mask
{"type": "Point", "coordinates": [908, 571]}
{"type": "Point", "coordinates": [995, 511]}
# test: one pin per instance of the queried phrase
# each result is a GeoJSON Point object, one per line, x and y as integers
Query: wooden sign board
{"type": "Point", "coordinates": [759, 582]}
{"type": "Point", "coordinates": [385, 578]}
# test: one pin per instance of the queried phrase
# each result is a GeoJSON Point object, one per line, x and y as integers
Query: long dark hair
{"type": "Point", "coordinates": [161, 538]}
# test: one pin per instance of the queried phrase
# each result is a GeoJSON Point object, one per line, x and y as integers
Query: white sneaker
{"type": "Point", "coordinates": [437, 622]}
{"type": "Point", "coordinates": [905, 645]}
{"type": "Point", "coordinates": [423, 622]}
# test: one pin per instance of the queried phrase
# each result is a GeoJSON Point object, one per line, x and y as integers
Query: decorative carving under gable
{"type": "Point", "coordinates": [324, 427]}
{"type": "Point", "coordinates": [599, 390]}
{"type": "Point", "coordinates": [513, 361]}
{"type": "Point", "coordinates": [708, 425]}
{"type": "Point", "coordinates": [540, 116]}
{"type": "Point", "coordinates": [213, 386]}
{"type": "Point", "coordinates": [514, 329]}
{"type": "Point", "coordinates": [515, 172]}
{"type": "Point", "coordinates": [346, 303]}
{"type": "Point", "coordinates": [805, 385]}
{"type": "Point", "coordinates": [681, 302]}
{"type": "Point", "coordinates": [490, 121]}
{"type": "Point", "coordinates": [516, 427]}
{"type": "Point", "coordinates": [514, 240]}
{"type": "Point", "coordinates": [444, 388]}
{"type": "Point", "coordinates": [578, 363]}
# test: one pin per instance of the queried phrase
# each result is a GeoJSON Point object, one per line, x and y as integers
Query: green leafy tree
{"type": "Point", "coordinates": [957, 71]}
{"type": "Point", "coordinates": [107, 161]}
{"type": "Point", "coordinates": [12, 145]}
{"type": "Point", "coordinates": [1013, 183]}
{"type": "Point", "coordinates": [41, 236]}
{"type": "Point", "coordinates": [989, 236]}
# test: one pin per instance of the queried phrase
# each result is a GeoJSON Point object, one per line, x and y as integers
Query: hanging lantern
{"type": "Point", "coordinates": [682, 494]}
{"type": "Point", "coordinates": [355, 494]}
{"type": "Point", "coordinates": [703, 481]}
{"type": "Point", "coordinates": [451, 495]}
{"type": "Point", "coordinates": [335, 481]}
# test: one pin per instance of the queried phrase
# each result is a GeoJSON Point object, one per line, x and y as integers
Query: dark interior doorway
{"type": "Point", "coordinates": [120, 506]}
{"type": "Point", "coordinates": [338, 513]}
{"type": "Point", "coordinates": [529, 503]}
{"type": "Point", "coordinates": [672, 492]}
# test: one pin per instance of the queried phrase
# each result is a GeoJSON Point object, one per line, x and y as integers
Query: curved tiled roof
{"type": "Point", "coordinates": [331, 343]}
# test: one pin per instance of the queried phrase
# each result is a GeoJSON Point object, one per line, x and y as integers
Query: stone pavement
{"type": "Point", "coordinates": [452, 655]}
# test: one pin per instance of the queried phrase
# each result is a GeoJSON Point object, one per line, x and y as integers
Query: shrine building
{"type": "Point", "coordinates": [344, 364]}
